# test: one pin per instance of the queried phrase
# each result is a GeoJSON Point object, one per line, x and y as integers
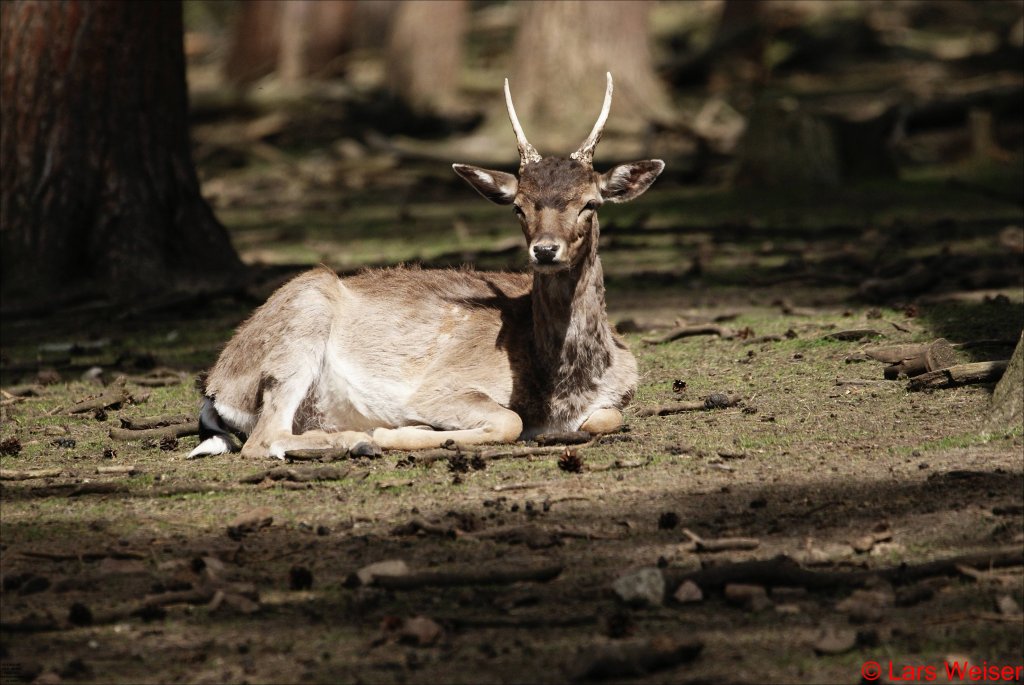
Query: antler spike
{"type": "Point", "coordinates": [527, 153]}
{"type": "Point", "coordinates": [585, 154]}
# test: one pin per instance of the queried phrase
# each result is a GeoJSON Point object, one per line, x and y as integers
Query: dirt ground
{"type": "Point", "coordinates": [217, 571]}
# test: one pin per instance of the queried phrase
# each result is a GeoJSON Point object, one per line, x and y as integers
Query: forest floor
{"type": "Point", "coordinates": [124, 562]}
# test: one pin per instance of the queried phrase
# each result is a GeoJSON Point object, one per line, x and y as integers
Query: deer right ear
{"type": "Point", "coordinates": [497, 186]}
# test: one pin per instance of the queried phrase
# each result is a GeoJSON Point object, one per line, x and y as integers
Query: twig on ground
{"type": "Point", "coordinates": [687, 331]}
{"type": "Point", "coordinates": [124, 469]}
{"type": "Point", "coordinates": [619, 464]}
{"type": "Point", "coordinates": [13, 474]}
{"type": "Point", "coordinates": [699, 544]}
{"type": "Point", "coordinates": [114, 395]}
{"type": "Point", "coordinates": [174, 431]}
{"type": "Point", "coordinates": [144, 422]}
{"type": "Point", "coordinates": [519, 486]}
{"type": "Point", "coordinates": [784, 571]}
{"type": "Point", "coordinates": [713, 401]}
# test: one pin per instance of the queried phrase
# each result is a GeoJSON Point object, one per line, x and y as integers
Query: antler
{"type": "Point", "coordinates": [585, 154]}
{"type": "Point", "coordinates": [527, 153]}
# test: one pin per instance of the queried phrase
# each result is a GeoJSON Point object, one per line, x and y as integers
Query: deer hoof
{"type": "Point", "coordinates": [365, 449]}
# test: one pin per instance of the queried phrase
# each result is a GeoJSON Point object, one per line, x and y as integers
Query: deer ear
{"type": "Point", "coordinates": [628, 181]}
{"type": "Point", "coordinates": [497, 186]}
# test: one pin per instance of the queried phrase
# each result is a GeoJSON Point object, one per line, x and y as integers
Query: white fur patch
{"type": "Point", "coordinates": [209, 447]}
{"type": "Point", "coordinates": [241, 421]}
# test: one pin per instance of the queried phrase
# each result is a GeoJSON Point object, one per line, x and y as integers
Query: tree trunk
{"type": "Point", "coordinates": [562, 52]}
{"type": "Point", "coordinates": [99, 192]}
{"type": "Point", "coordinates": [1008, 398]}
{"type": "Point", "coordinates": [425, 52]}
{"type": "Point", "coordinates": [295, 38]}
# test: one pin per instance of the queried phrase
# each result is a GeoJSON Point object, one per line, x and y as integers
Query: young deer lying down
{"type": "Point", "coordinates": [406, 358]}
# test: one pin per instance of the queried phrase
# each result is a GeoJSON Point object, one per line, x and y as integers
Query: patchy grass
{"type": "Point", "coordinates": [804, 465]}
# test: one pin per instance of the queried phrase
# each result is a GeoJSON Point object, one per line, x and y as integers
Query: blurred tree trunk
{"type": "Point", "coordinates": [99, 191]}
{"type": "Point", "coordinates": [1008, 398]}
{"type": "Point", "coordinates": [562, 52]}
{"type": "Point", "coordinates": [425, 52]}
{"type": "Point", "coordinates": [295, 38]}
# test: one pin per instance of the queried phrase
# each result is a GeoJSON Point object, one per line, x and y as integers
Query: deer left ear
{"type": "Point", "coordinates": [497, 186]}
{"type": "Point", "coordinates": [628, 181]}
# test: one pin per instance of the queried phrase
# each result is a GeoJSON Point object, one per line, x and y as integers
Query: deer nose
{"type": "Point", "coordinates": [545, 254]}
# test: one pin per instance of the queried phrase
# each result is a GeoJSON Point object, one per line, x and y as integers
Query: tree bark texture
{"type": "Point", "coordinates": [425, 52]}
{"type": "Point", "coordinates": [98, 188]}
{"type": "Point", "coordinates": [561, 54]}
{"type": "Point", "coordinates": [1008, 397]}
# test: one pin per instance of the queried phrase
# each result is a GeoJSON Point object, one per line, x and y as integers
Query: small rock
{"type": "Point", "coordinates": [249, 522]}
{"type": "Point", "coordinates": [866, 605]}
{"type": "Point", "coordinates": [48, 376]}
{"type": "Point", "coordinates": [832, 640]}
{"type": "Point", "coordinates": [365, 575]}
{"type": "Point", "coordinates": [643, 587]}
{"type": "Point", "coordinates": [420, 631]}
{"type": "Point", "coordinates": [750, 597]}
{"type": "Point", "coordinates": [1008, 606]}
{"type": "Point", "coordinates": [688, 593]}
{"type": "Point", "coordinates": [93, 375]}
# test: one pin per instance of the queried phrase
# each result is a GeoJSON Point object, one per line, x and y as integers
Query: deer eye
{"type": "Point", "coordinates": [590, 206]}
{"type": "Point", "coordinates": [518, 211]}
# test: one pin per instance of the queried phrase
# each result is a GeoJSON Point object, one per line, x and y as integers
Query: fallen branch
{"type": "Point", "coordinates": [297, 475]}
{"type": "Point", "coordinates": [519, 486]}
{"type": "Point", "coordinates": [913, 360]}
{"type": "Point", "coordinates": [144, 422]}
{"type": "Point", "coordinates": [783, 571]}
{"type": "Point", "coordinates": [567, 438]}
{"type": "Point", "coordinates": [699, 544]}
{"type": "Point", "coordinates": [30, 390]}
{"type": "Point", "coordinates": [459, 578]}
{"type": "Point", "coordinates": [175, 431]}
{"type": "Point", "coordinates": [121, 469]}
{"type": "Point", "coordinates": [159, 380]}
{"type": "Point", "coordinates": [113, 396]}
{"type": "Point", "coordinates": [687, 331]}
{"type": "Point", "coordinates": [961, 374]}
{"type": "Point", "coordinates": [860, 381]}
{"type": "Point", "coordinates": [619, 464]}
{"type": "Point", "coordinates": [853, 334]}
{"type": "Point", "coordinates": [516, 452]}
{"type": "Point", "coordinates": [714, 401]}
{"type": "Point", "coordinates": [11, 474]}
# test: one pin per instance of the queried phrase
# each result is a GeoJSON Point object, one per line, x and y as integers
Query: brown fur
{"type": "Point", "coordinates": [473, 356]}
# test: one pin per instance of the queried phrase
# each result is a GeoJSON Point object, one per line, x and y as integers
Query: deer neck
{"type": "Point", "coordinates": [572, 339]}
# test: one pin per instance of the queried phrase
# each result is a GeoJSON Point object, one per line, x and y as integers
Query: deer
{"type": "Point", "coordinates": [406, 358]}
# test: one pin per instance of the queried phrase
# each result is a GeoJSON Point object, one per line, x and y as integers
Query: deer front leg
{"type": "Point", "coordinates": [603, 420]}
{"type": "Point", "coordinates": [469, 419]}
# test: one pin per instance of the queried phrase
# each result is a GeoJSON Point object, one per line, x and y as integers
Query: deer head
{"type": "Point", "coordinates": [556, 199]}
